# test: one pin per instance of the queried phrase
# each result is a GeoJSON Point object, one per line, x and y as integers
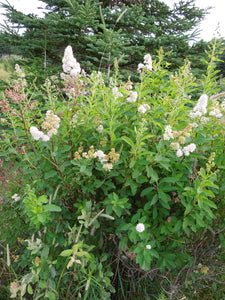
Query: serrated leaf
{"type": "Point", "coordinates": [128, 141]}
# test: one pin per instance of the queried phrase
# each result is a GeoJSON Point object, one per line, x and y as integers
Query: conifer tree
{"type": "Point", "coordinates": [102, 31]}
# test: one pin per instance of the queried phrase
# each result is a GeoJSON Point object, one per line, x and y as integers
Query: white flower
{"type": "Point", "coordinates": [196, 114]}
{"type": "Point", "coordinates": [37, 134]}
{"type": "Point", "coordinates": [143, 108]}
{"type": "Point", "coordinates": [100, 128]}
{"type": "Point", "coordinates": [148, 62]}
{"type": "Point", "coordinates": [132, 97]}
{"type": "Point", "coordinates": [116, 93]}
{"type": "Point", "coordinates": [51, 132]}
{"type": "Point", "coordinates": [45, 138]}
{"type": "Point", "coordinates": [51, 123]}
{"type": "Point", "coordinates": [70, 64]}
{"type": "Point", "coordinates": [140, 227]}
{"type": "Point", "coordinates": [140, 67]}
{"type": "Point", "coordinates": [186, 151]}
{"type": "Point", "coordinates": [201, 107]}
{"type": "Point", "coordinates": [148, 247]}
{"type": "Point", "coordinates": [179, 153]}
{"type": "Point", "coordinates": [101, 155]}
{"type": "Point", "coordinates": [192, 147]}
{"type": "Point", "coordinates": [16, 197]}
{"type": "Point", "coordinates": [147, 59]}
{"type": "Point", "coordinates": [216, 110]}
{"type": "Point", "coordinates": [168, 133]}
{"type": "Point", "coordinates": [19, 71]}
{"type": "Point", "coordinates": [189, 148]}
{"type": "Point", "coordinates": [108, 166]}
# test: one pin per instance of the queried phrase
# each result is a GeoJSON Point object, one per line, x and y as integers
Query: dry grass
{"type": "Point", "coordinates": [4, 75]}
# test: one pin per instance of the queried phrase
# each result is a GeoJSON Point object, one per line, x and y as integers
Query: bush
{"type": "Point", "coordinates": [112, 179]}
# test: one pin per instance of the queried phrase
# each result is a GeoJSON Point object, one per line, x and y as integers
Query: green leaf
{"type": "Point", "coordinates": [42, 218]}
{"type": "Point", "coordinates": [210, 203]}
{"type": "Point", "coordinates": [118, 210]}
{"type": "Point", "coordinates": [128, 141]}
{"type": "Point", "coordinates": [45, 252]}
{"type": "Point", "coordinates": [143, 258]}
{"type": "Point", "coordinates": [152, 174]}
{"type": "Point", "coordinates": [50, 174]}
{"type": "Point", "coordinates": [163, 199]}
{"type": "Point", "coordinates": [42, 199]}
{"type": "Point", "coordinates": [147, 191]}
{"type": "Point", "coordinates": [29, 289]}
{"type": "Point", "coordinates": [52, 208]}
{"type": "Point", "coordinates": [154, 253]}
{"type": "Point", "coordinates": [151, 202]}
{"type": "Point", "coordinates": [66, 253]}
{"type": "Point", "coordinates": [65, 148]}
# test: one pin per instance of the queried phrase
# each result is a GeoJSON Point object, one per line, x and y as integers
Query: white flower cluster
{"type": "Point", "coordinates": [147, 63]}
{"type": "Point", "coordinates": [15, 197]}
{"type": "Point", "coordinates": [140, 227]}
{"type": "Point", "coordinates": [168, 134]}
{"type": "Point", "coordinates": [70, 64]}
{"type": "Point", "coordinates": [37, 134]}
{"type": "Point", "coordinates": [148, 247]}
{"type": "Point", "coordinates": [51, 123]}
{"type": "Point", "coordinates": [186, 150]}
{"type": "Point", "coordinates": [21, 80]}
{"type": "Point", "coordinates": [132, 97]}
{"type": "Point", "coordinates": [100, 128]}
{"type": "Point", "coordinates": [143, 108]}
{"type": "Point", "coordinates": [116, 93]}
{"type": "Point", "coordinates": [102, 158]}
{"type": "Point", "coordinates": [200, 108]}
{"type": "Point", "coordinates": [19, 71]}
{"type": "Point", "coordinates": [215, 112]}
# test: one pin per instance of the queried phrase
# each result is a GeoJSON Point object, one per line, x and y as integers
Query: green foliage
{"type": "Point", "coordinates": [113, 178]}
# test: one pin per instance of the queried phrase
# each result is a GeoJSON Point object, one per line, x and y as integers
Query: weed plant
{"type": "Point", "coordinates": [116, 190]}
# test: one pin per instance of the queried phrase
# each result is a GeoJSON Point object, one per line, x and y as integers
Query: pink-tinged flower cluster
{"type": "Point", "coordinates": [14, 288]}
{"type": "Point", "coordinates": [70, 64]}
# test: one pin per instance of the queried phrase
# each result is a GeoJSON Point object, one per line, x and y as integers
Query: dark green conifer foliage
{"type": "Point", "coordinates": [102, 31]}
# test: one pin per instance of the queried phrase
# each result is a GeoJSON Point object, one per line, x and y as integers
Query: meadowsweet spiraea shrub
{"type": "Point", "coordinates": [111, 168]}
